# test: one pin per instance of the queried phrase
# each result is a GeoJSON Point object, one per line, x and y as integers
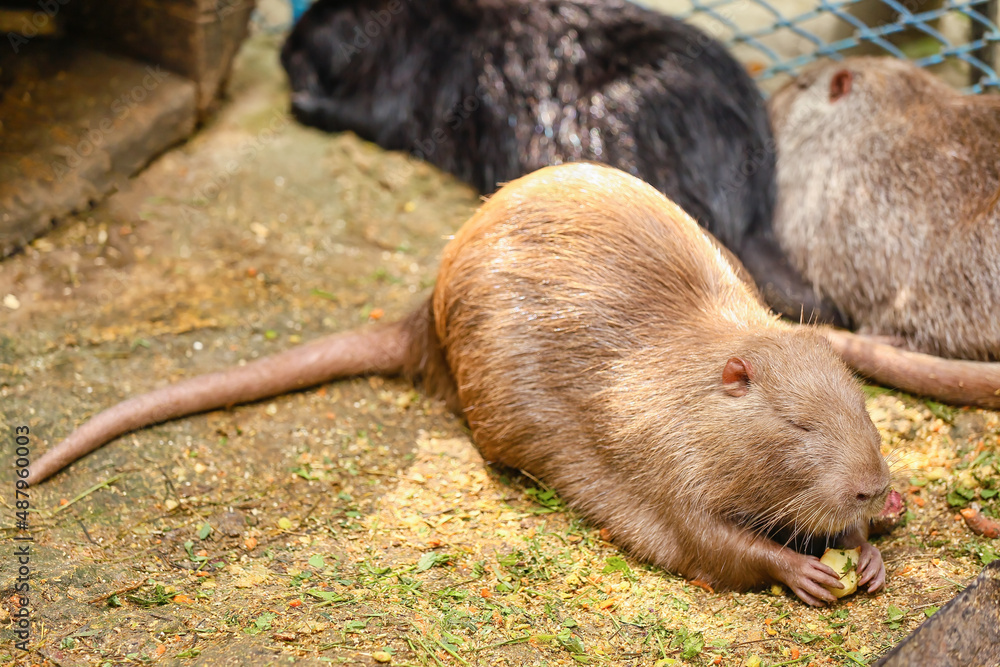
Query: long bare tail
{"type": "Point", "coordinates": [383, 350]}
{"type": "Point", "coordinates": [975, 383]}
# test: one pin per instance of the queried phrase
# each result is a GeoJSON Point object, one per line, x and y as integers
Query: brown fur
{"type": "Point", "coordinates": [610, 314]}
{"type": "Point", "coordinates": [888, 202]}
{"type": "Point", "coordinates": [594, 336]}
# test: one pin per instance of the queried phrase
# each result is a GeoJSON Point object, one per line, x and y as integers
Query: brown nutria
{"type": "Point", "coordinates": [889, 202]}
{"type": "Point", "coordinates": [594, 336]}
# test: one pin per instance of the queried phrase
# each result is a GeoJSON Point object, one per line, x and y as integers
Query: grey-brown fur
{"type": "Point", "coordinates": [593, 335]}
{"type": "Point", "coordinates": [889, 202]}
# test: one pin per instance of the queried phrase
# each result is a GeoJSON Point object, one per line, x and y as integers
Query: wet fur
{"type": "Point", "coordinates": [490, 90]}
{"type": "Point", "coordinates": [642, 313]}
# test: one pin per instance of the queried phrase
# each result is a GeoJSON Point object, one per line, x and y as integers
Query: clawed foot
{"type": "Point", "coordinates": [810, 579]}
{"type": "Point", "coordinates": [871, 569]}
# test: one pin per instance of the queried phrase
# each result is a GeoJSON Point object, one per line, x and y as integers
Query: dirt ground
{"type": "Point", "coordinates": [355, 523]}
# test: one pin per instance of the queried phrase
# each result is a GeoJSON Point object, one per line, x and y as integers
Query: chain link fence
{"type": "Point", "coordinates": [958, 39]}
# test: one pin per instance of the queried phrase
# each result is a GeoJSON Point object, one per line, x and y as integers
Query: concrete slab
{"type": "Point", "coordinates": [75, 124]}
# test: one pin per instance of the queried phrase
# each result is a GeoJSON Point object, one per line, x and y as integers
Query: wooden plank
{"type": "Point", "coordinates": [75, 123]}
{"type": "Point", "coordinates": [195, 38]}
{"type": "Point", "coordinates": [963, 633]}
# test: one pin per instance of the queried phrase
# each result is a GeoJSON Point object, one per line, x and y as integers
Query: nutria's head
{"type": "Point", "coordinates": [832, 99]}
{"type": "Point", "coordinates": [799, 451]}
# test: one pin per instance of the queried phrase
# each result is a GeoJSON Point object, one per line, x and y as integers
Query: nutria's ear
{"type": "Point", "coordinates": [736, 377]}
{"type": "Point", "coordinates": [840, 84]}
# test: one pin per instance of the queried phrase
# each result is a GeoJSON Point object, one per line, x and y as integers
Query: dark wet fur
{"type": "Point", "coordinates": [490, 90]}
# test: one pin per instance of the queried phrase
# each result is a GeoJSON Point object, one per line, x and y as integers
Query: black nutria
{"type": "Point", "coordinates": [491, 90]}
{"type": "Point", "coordinates": [889, 203]}
{"type": "Point", "coordinates": [594, 336]}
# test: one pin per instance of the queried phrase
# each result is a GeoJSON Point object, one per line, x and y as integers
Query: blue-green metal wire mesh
{"type": "Point", "coordinates": [912, 31]}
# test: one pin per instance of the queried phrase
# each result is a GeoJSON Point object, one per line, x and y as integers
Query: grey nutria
{"type": "Point", "coordinates": [594, 336]}
{"type": "Point", "coordinates": [889, 202]}
{"type": "Point", "coordinates": [490, 90]}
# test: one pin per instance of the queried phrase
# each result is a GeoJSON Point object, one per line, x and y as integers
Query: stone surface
{"type": "Point", "coordinates": [75, 125]}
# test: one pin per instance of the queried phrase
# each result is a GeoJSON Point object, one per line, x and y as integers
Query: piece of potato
{"type": "Point", "coordinates": [845, 563]}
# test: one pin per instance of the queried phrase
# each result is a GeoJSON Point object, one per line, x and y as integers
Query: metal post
{"type": "Point", "coordinates": [994, 14]}
{"type": "Point", "coordinates": [990, 53]}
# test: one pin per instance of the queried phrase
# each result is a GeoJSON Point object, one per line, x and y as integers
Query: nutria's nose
{"type": "Point", "coordinates": [867, 492]}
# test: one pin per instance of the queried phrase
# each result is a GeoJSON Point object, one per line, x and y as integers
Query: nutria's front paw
{"type": "Point", "coordinates": [871, 568]}
{"type": "Point", "coordinates": [808, 578]}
